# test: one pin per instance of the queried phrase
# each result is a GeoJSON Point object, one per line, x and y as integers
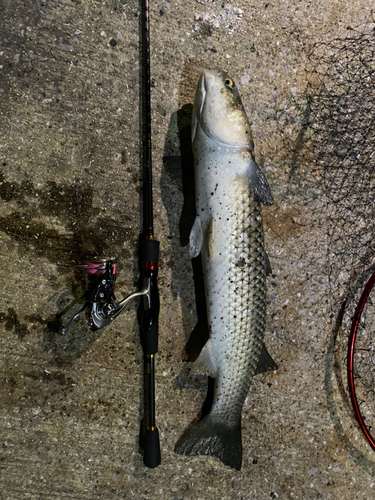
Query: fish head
{"type": "Point", "coordinates": [218, 109]}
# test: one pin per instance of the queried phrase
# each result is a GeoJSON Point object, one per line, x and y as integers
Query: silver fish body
{"type": "Point", "coordinates": [228, 232]}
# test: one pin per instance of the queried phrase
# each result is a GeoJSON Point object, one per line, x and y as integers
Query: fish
{"type": "Point", "coordinates": [228, 233]}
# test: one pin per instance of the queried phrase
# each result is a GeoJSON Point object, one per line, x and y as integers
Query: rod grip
{"type": "Point", "coordinates": [152, 457]}
{"type": "Point", "coordinates": [150, 338]}
{"type": "Point", "coordinates": [149, 251]}
{"type": "Point", "coordinates": [148, 319]}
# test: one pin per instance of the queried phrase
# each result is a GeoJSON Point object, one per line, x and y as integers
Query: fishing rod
{"type": "Point", "coordinates": [100, 305]}
{"type": "Point", "coordinates": [149, 256]}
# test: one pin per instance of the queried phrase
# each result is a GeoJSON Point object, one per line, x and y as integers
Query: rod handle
{"type": "Point", "coordinates": [152, 457]}
{"type": "Point", "coordinates": [149, 251]}
{"type": "Point", "coordinates": [149, 338]}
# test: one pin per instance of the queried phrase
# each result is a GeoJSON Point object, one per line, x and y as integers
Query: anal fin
{"type": "Point", "coordinates": [207, 361]}
{"type": "Point", "coordinates": [265, 362]}
{"type": "Point", "coordinates": [267, 264]}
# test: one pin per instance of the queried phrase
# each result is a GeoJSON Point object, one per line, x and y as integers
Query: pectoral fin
{"type": "Point", "coordinates": [265, 362]}
{"type": "Point", "coordinates": [196, 238]}
{"type": "Point", "coordinates": [259, 185]}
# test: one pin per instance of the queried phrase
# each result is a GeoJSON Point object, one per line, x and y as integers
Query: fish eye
{"type": "Point", "coordinates": [229, 83]}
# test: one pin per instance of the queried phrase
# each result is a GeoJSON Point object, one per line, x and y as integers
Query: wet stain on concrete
{"type": "Point", "coordinates": [283, 224]}
{"type": "Point", "coordinates": [12, 322]}
{"type": "Point", "coordinates": [60, 222]}
{"type": "Point", "coordinates": [27, 386]}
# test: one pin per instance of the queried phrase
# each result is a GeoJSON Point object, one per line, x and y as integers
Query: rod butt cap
{"type": "Point", "coordinates": [152, 457]}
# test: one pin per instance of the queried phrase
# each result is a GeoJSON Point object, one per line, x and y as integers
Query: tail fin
{"type": "Point", "coordinates": [214, 438]}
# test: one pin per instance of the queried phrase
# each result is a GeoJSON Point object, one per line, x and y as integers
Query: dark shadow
{"type": "Point", "coordinates": [178, 195]}
{"type": "Point", "coordinates": [178, 174]}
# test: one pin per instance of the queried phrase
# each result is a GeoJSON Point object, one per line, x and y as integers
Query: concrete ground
{"type": "Point", "coordinates": [70, 184]}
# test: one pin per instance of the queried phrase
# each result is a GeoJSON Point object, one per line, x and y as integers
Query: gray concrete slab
{"type": "Point", "coordinates": [70, 189]}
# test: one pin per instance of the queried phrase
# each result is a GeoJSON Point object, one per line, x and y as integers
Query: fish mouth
{"type": "Point", "coordinates": [199, 104]}
{"type": "Point", "coordinates": [203, 85]}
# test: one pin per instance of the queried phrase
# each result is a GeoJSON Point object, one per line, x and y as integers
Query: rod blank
{"type": "Point", "coordinates": [149, 257]}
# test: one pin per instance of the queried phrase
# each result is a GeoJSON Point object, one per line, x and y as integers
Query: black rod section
{"type": "Point", "coordinates": [149, 216]}
{"type": "Point", "coordinates": [149, 259]}
{"type": "Point", "coordinates": [151, 388]}
{"type": "Point", "coordinates": [152, 456]}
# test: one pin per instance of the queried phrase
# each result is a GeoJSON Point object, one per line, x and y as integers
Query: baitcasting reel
{"type": "Point", "coordinates": [100, 304]}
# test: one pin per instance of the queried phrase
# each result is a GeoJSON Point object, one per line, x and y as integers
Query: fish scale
{"type": "Point", "coordinates": [228, 233]}
{"type": "Point", "coordinates": [246, 288]}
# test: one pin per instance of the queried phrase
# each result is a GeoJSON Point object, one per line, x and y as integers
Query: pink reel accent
{"type": "Point", "coordinates": [98, 271]}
